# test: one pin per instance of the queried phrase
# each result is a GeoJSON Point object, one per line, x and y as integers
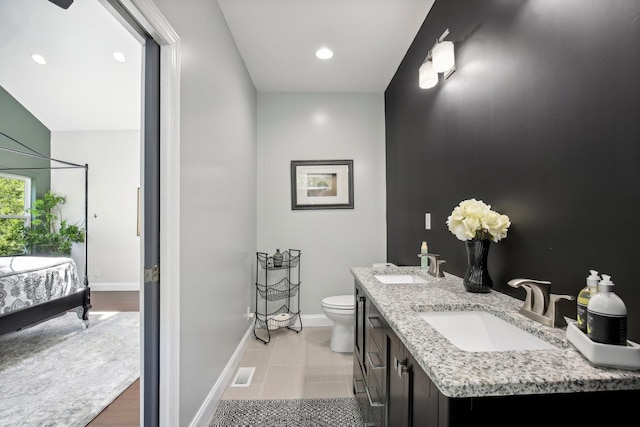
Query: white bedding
{"type": "Point", "coordinates": [26, 281]}
{"type": "Point", "coordinates": [23, 264]}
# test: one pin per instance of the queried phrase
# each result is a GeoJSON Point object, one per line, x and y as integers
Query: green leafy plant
{"type": "Point", "coordinates": [11, 204]}
{"type": "Point", "coordinates": [49, 233]}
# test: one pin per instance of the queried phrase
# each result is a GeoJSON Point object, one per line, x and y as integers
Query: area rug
{"type": "Point", "coordinates": [59, 374]}
{"type": "Point", "coordinates": [343, 412]}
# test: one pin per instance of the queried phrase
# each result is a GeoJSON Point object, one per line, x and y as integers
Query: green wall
{"type": "Point", "coordinates": [17, 122]}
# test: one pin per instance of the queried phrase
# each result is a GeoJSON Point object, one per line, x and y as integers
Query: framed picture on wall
{"type": "Point", "coordinates": [321, 184]}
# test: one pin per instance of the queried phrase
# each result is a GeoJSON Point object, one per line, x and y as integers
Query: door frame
{"type": "Point", "coordinates": [149, 17]}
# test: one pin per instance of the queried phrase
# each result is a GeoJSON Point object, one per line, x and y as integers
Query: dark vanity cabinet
{"type": "Point", "coordinates": [412, 396]}
{"type": "Point", "coordinates": [359, 332]}
{"type": "Point", "coordinates": [415, 401]}
{"type": "Point", "coordinates": [393, 390]}
{"type": "Point", "coordinates": [399, 377]}
{"type": "Point", "coordinates": [376, 362]}
{"type": "Point", "coordinates": [359, 367]}
{"type": "Point", "coordinates": [370, 361]}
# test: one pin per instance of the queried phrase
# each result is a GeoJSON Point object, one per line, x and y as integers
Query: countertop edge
{"type": "Point", "coordinates": [461, 374]}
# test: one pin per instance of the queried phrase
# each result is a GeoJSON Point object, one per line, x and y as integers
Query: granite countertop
{"type": "Point", "coordinates": [459, 373]}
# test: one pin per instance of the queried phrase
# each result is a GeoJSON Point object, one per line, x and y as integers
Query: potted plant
{"type": "Point", "coordinates": [49, 233]}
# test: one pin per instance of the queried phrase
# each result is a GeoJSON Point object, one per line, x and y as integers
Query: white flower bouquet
{"type": "Point", "coordinates": [474, 219]}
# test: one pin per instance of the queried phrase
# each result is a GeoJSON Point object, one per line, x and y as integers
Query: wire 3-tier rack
{"type": "Point", "coordinates": [277, 293]}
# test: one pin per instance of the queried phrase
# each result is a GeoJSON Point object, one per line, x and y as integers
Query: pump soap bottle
{"type": "Point", "coordinates": [424, 260]}
{"type": "Point", "coordinates": [607, 315]}
{"type": "Point", "coordinates": [583, 299]}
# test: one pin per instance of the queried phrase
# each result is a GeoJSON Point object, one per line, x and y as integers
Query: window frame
{"type": "Point", "coordinates": [26, 217]}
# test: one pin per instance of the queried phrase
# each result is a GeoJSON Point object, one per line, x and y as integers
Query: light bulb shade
{"type": "Point", "coordinates": [427, 76]}
{"type": "Point", "coordinates": [443, 57]}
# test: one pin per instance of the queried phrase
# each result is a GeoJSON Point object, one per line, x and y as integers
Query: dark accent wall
{"type": "Point", "coordinates": [541, 120]}
{"type": "Point", "coordinates": [17, 122]}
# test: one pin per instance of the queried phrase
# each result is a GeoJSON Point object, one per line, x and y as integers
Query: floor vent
{"type": "Point", "coordinates": [243, 377]}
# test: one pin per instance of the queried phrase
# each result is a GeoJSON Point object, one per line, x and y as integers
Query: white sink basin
{"type": "Point", "coordinates": [482, 331]}
{"type": "Point", "coordinates": [399, 278]}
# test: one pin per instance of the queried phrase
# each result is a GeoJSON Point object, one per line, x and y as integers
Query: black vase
{"type": "Point", "coordinates": [477, 278]}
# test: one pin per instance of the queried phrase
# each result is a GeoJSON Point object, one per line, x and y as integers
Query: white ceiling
{"type": "Point", "coordinates": [278, 40]}
{"type": "Point", "coordinates": [83, 88]}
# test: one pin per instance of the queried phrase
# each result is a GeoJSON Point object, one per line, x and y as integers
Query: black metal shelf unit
{"type": "Point", "coordinates": [277, 293]}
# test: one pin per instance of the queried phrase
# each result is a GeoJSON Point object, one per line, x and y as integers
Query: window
{"type": "Point", "coordinates": [15, 200]}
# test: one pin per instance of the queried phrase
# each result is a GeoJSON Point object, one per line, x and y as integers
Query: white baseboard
{"type": "Point", "coordinates": [205, 413]}
{"type": "Point", "coordinates": [210, 404]}
{"type": "Point", "coordinates": [309, 320]}
{"type": "Point", "coordinates": [118, 286]}
{"type": "Point", "coordinates": [316, 320]}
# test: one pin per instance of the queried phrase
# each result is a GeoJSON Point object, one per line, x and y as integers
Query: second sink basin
{"type": "Point", "coordinates": [482, 331]}
{"type": "Point", "coordinates": [399, 278]}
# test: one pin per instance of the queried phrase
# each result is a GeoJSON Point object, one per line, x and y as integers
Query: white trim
{"type": "Point", "coordinates": [206, 411]}
{"type": "Point", "coordinates": [152, 20]}
{"type": "Point", "coordinates": [308, 320]}
{"type": "Point", "coordinates": [315, 320]}
{"type": "Point", "coordinates": [170, 235]}
{"type": "Point", "coordinates": [116, 286]}
{"type": "Point", "coordinates": [27, 197]}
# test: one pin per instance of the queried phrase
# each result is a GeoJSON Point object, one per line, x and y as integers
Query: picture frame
{"type": "Point", "coordinates": [321, 184]}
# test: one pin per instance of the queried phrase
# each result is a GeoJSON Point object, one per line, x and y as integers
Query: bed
{"type": "Point", "coordinates": [34, 289]}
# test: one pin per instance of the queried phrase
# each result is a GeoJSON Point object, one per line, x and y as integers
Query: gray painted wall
{"type": "Point", "coordinates": [322, 126]}
{"type": "Point", "coordinates": [217, 196]}
{"type": "Point", "coordinates": [114, 178]}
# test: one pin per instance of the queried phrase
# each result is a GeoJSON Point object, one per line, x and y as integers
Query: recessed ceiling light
{"type": "Point", "coordinates": [119, 56]}
{"type": "Point", "coordinates": [38, 58]}
{"type": "Point", "coordinates": [324, 53]}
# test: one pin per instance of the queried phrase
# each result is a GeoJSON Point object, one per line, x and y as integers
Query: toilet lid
{"type": "Point", "coordinates": [346, 302]}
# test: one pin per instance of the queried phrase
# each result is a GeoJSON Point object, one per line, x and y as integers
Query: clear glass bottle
{"type": "Point", "coordinates": [424, 260]}
{"type": "Point", "coordinates": [278, 258]}
{"type": "Point", "coordinates": [583, 299]}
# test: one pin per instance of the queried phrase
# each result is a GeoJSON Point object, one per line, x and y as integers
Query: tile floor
{"type": "Point", "coordinates": [295, 366]}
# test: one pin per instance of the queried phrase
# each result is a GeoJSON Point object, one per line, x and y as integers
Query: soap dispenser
{"type": "Point", "coordinates": [607, 315]}
{"type": "Point", "coordinates": [583, 299]}
{"type": "Point", "coordinates": [424, 259]}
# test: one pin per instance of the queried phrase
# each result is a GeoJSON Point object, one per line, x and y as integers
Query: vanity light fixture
{"type": "Point", "coordinates": [428, 76]}
{"type": "Point", "coordinates": [443, 57]}
{"type": "Point", "coordinates": [324, 53]}
{"type": "Point", "coordinates": [38, 58]}
{"type": "Point", "coordinates": [440, 59]}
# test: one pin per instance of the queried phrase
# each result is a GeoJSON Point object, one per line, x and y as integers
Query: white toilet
{"type": "Point", "coordinates": [340, 309]}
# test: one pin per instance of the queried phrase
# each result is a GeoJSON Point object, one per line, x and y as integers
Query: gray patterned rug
{"type": "Point", "coordinates": [342, 412]}
{"type": "Point", "coordinates": [59, 374]}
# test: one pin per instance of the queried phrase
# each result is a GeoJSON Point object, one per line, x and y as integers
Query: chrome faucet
{"type": "Point", "coordinates": [434, 264]}
{"type": "Point", "coordinates": [540, 304]}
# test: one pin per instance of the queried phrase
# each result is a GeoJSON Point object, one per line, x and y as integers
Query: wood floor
{"type": "Point", "coordinates": [125, 410]}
